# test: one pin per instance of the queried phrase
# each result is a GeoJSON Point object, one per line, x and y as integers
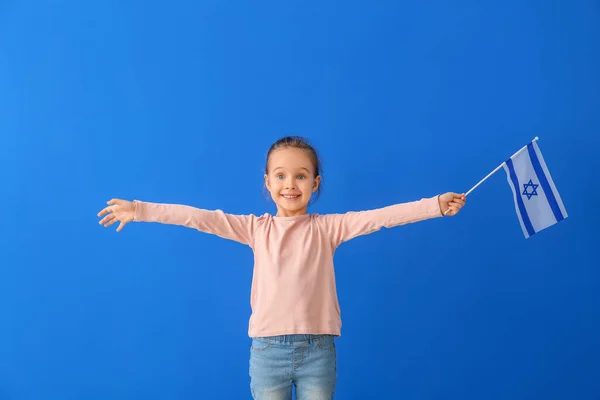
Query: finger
{"type": "Point", "coordinates": [456, 196]}
{"type": "Point", "coordinates": [104, 211]}
{"type": "Point", "coordinates": [109, 221]}
{"type": "Point", "coordinates": [106, 219]}
{"type": "Point", "coordinates": [111, 217]}
{"type": "Point", "coordinates": [457, 203]}
{"type": "Point", "coordinates": [113, 201]}
{"type": "Point", "coordinates": [111, 208]}
{"type": "Point", "coordinates": [108, 211]}
{"type": "Point", "coordinates": [456, 209]}
{"type": "Point", "coordinates": [121, 225]}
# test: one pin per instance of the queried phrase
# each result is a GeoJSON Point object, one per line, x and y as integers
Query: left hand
{"type": "Point", "coordinates": [451, 203]}
{"type": "Point", "coordinates": [118, 210]}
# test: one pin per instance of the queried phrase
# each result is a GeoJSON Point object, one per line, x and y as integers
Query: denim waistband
{"type": "Point", "coordinates": [295, 338]}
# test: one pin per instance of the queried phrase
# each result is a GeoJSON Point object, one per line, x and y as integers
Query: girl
{"type": "Point", "coordinates": [295, 313]}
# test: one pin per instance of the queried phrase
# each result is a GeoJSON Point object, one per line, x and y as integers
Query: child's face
{"type": "Point", "coordinates": [291, 181]}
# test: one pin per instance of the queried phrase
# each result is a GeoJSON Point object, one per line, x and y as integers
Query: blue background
{"type": "Point", "coordinates": [179, 103]}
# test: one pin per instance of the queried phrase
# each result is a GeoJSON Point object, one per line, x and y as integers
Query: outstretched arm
{"type": "Point", "coordinates": [239, 228]}
{"type": "Point", "coordinates": [344, 227]}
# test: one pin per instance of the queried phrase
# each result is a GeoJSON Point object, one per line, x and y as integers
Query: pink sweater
{"type": "Point", "coordinates": [293, 284]}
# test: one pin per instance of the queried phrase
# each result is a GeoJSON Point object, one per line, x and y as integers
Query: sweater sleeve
{"type": "Point", "coordinates": [344, 227]}
{"type": "Point", "coordinates": [239, 228]}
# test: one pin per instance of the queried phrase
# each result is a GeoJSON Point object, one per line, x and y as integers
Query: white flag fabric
{"type": "Point", "coordinates": [537, 202]}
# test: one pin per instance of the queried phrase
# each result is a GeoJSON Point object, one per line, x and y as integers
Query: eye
{"type": "Point", "coordinates": [280, 176]}
{"type": "Point", "coordinates": [301, 176]}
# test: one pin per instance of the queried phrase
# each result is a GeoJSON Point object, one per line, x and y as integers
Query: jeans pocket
{"type": "Point", "coordinates": [325, 342]}
{"type": "Point", "coordinates": [260, 344]}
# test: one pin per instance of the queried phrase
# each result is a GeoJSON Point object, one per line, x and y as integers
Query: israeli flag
{"type": "Point", "coordinates": [537, 201]}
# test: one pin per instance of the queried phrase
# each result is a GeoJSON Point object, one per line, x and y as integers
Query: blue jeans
{"type": "Point", "coordinates": [308, 362]}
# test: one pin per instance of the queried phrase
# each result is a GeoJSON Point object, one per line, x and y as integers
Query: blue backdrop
{"type": "Point", "coordinates": [179, 103]}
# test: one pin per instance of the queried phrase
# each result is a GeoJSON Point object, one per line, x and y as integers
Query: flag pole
{"type": "Point", "coordinates": [495, 170]}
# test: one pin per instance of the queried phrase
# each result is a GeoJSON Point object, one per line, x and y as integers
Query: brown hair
{"type": "Point", "coordinates": [301, 143]}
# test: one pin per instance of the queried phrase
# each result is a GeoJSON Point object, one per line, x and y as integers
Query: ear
{"type": "Point", "coordinates": [316, 183]}
{"type": "Point", "coordinates": [267, 184]}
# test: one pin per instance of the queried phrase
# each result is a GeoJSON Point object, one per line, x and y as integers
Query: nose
{"type": "Point", "coordinates": [290, 183]}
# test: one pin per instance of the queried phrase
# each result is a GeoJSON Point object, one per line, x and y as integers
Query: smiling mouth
{"type": "Point", "coordinates": [290, 197]}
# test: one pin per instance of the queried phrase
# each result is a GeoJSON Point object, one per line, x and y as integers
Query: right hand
{"type": "Point", "coordinates": [451, 202]}
{"type": "Point", "coordinates": [117, 210]}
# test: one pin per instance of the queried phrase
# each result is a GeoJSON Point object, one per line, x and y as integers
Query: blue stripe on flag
{"type": "Point", "coordinates": [522, 209]}
{"type": "Point", "coordinates": [544, 182]}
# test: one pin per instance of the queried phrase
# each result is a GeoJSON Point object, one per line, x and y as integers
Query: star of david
{"type": "Point", "coordinates": [533, 187]}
